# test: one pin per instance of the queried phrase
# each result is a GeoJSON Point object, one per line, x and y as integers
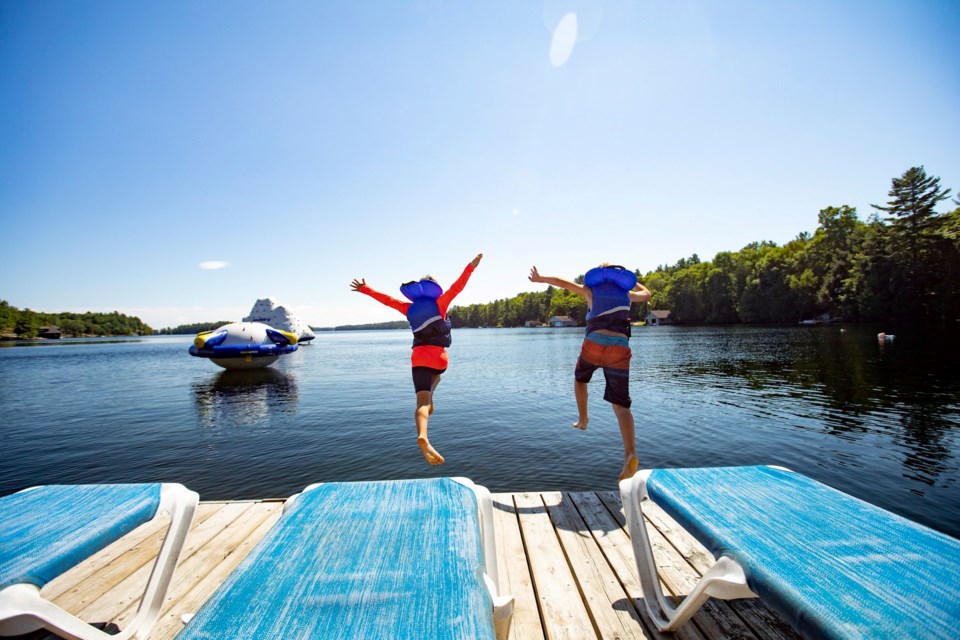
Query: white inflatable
{"type": "Point", "coordinates": [243, 345]}
{"type": "Point", "coordinates": [271, 312]}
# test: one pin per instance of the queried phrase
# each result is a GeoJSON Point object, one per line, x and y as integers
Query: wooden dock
{"type": "Point", "coordinates": [564, 556]}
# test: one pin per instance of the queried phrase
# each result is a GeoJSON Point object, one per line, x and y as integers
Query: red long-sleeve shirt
{"type": "Point", "coordinates": [425, 355]}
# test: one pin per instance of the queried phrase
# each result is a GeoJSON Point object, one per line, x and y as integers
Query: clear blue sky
{"type": "Point", "coordinates": [307, 143]}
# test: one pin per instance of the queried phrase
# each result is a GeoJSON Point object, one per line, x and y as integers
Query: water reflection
{"type": "Point", "coordinates": [925, 429]}
{"type": "Point", "coordinates": [245, 397]}
{"type": "Point", "coordinates": [840, 384]}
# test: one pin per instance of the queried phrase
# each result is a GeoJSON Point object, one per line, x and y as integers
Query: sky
{"type": "Point", "coordinates": [176, 161]}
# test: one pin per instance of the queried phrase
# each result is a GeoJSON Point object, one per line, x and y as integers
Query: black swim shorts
{"type": "Point", "coordinates": [423, 378]}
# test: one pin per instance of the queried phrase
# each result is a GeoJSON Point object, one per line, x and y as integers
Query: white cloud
{"type": "Point", "coordinates": [213, 264]}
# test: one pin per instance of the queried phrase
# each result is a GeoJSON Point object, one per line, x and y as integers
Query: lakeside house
{"type": "Point", "coordinates": [49, 332]}
{"type": "Point", "coordinates": [659, 316]}
{"type": "Point", "coordinates": [562, 321]}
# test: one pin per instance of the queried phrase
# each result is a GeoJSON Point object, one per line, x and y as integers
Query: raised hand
{"type": "Point", "coordinates": [356, 284]}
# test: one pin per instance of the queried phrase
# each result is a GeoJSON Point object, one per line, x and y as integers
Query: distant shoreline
{"type": "Point", "coordinates": [9, 337]}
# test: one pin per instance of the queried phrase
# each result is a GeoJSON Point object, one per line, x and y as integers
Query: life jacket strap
{"type": "Point", "coordinates": [614, 310]}
{"type": "Point", "coordinates": [426, 322]}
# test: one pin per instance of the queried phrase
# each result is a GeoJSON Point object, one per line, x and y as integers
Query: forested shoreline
{"type": "Point", "coordinates": [902, 266]}
{"type": "Point", "coordinates": [905, 266]}
{"type": "Point", "coordinates": [25, 323]}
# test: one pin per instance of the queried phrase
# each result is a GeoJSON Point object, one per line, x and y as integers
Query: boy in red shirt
{"type": "Point", "coordinates": [427, 314]}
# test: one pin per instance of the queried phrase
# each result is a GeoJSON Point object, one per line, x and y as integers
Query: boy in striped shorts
{"type": "Point", "coordinates": [609, 290]}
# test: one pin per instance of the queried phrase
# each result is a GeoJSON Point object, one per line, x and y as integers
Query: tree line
{"type": "Point", "coordinates": [196, 327]}
{"type": "Point", "coordinates": [25, 323]}
{"type": "Point", "coordinates": [903, 262]}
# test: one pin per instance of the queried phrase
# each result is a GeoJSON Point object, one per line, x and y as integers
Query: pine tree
{"type": "Point", "coordinates": [917, 278]}
{"type": "Point", "coordinates": [913, 198]}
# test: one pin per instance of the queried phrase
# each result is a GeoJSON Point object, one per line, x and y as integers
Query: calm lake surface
{"type": "Point", "coordinates": [881, 422]}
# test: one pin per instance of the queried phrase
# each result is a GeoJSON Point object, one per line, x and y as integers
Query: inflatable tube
{"type": "Point", "coordinates": [243, 345]}
{"type": "Point", "coordinates": [423, 289]}
{"type": "Point", "coordinates": [614, 274]}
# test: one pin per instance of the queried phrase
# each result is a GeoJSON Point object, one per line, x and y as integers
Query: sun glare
{"type": "Point", "coordinates": [564, 38]}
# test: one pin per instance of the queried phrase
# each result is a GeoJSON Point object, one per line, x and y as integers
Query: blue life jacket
{"type": "Point", "coordinates": [610, 288]}
{"type": "Point", "coordinates": [427, 323]}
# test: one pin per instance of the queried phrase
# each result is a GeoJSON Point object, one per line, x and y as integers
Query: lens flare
{"type": "Point", "coordinates": [564, 38]}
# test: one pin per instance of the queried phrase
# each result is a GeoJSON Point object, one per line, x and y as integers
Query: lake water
{"type": "Point", "coordinates": [881, 422]}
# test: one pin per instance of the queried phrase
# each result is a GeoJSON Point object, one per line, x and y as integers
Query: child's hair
{"type": "Point", "coordinates": [429, 277]}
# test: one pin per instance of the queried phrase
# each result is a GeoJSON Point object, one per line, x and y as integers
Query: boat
{"type": "Point", "coordinates": [243, 345]}
{"type": "Point", "coordinates": [823, 318]}
{"type": "Point", "coordinates": [269, 311]}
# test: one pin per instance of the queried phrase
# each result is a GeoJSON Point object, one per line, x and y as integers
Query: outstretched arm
{"type": "Point", "coordinates": [447, 297]}
{"type": "Point", "coordinates": [640, 294]}
{"type": "Point", "coordinates": [572, 287]}
{"type": "Point", "coordinates": [361, 286]}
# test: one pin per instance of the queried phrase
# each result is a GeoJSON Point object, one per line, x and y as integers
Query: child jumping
{"type": "Point", "coordinates": [427, 314]}
{"type": "Point", "coordinates": [609, 290]}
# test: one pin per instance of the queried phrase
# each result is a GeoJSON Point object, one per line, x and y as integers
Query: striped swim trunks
{"type": "Point", "coordinates": [612, 354]}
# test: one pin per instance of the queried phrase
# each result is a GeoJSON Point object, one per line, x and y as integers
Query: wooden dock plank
{"type": "Point", "coordinates": [618, 552]}
{"type": "Point", "coordinates": [608, 604]}
{"type": "Point", "coordinates": [83, 582]}
{"type": "Point", "coordinates": [565, 557]}
{"type": "Point", "coordinates": [562, 610]}
{"type": "Point", "coordinates": [85, 576]}
{"type": "Point", "coordinates": [207, 552]}
{"type": "Point", "coordinates": [119, 603]}
{"type": "Point", "coordinates": [514, 570]}
{"type": "Point", "coordinates": [211, 566]}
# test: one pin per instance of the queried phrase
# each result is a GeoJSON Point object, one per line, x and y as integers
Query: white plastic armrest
{"type": "Point", "coordinates": [23, 609]}
{"type": "Point", "coordinates": [181, 504]}
{"type": "Point", "coordinates": [725, 579]}
{"type": "Point", "coordinates": [502, 604]}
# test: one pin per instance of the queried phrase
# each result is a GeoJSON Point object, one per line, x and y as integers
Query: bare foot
{"type": "Point", "coordinates": [629, 468]}
{"type": "Point", "coordinates": [581, 424]}
{"type": "Point", "coordinates": [430, 453]}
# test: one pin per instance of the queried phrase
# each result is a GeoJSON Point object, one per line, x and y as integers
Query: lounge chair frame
{"type": "Point", "coordinates": [23, 608]}
{"type": "Point", "coordinates": [725, 580]}
{"type": "Point", "coordinates": [832, 565]}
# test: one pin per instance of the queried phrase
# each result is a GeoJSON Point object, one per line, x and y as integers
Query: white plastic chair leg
{"type": "Point", "coordinates": [725, 579]}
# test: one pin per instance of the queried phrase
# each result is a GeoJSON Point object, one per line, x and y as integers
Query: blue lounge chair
{"type": "Point", "coordinates": [46, 530]}
{"type": "Point", "coordinates": [400, 559]}
{"type": "Point", "coordinates": [833, 565]}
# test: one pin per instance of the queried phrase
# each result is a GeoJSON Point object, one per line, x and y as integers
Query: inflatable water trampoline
{"type": "Point", "coordinates": [243, 345]}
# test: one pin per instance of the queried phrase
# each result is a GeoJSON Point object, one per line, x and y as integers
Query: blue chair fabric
{"type": "Point", "coordinates": [397, 559]}
{"type": "Point", "coordinates": [834, 565]}
{"type": "Point", "coordinates": [46, 530]}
